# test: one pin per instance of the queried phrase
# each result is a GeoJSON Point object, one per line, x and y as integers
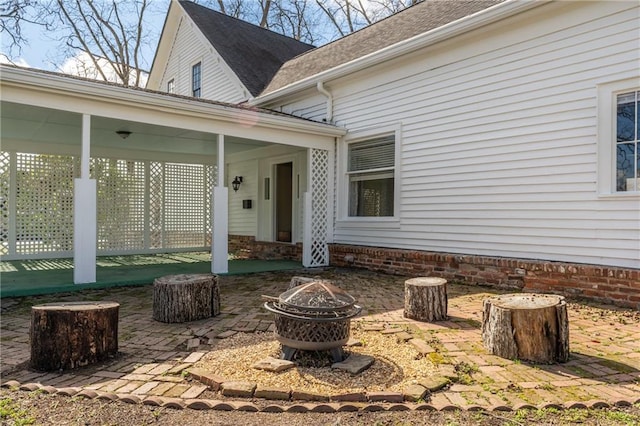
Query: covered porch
{"type": "Point", "coordinates": [49, 276]}
{"type": "Point", "coordinates": [94, 169]}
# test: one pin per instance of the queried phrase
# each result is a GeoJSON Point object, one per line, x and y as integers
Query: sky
{"type": "Point", "coordinates": [42, 50]}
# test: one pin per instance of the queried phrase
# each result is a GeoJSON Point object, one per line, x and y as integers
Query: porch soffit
{"type": "Point", "coordinates": [28, 128]}
{"type": "Point", "coordinates": [34, 100]}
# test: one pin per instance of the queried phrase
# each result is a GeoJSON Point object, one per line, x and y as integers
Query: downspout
{"type": "Point", "coordinates": [325, 92]}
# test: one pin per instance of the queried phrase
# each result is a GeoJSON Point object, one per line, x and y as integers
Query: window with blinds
{"type": "Point", "coordinates": [370, 170]}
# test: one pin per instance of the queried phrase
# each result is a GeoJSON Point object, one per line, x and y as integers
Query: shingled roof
{"type": "Point", "coordinates": [254, 54]}
{"type": "Point", "coordinates": [410, 22]}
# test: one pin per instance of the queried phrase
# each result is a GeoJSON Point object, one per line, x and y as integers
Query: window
{"type": "Point", "coordinates": [196, 77]}
{"type": "Point", "coordinates": [618, 144]}
{"type": "Point", "coordinates": [627, 141]}
{"type": "Point", "coordinates": [171, 86]}
{"type": "Point", "coordinates": [370, 171]}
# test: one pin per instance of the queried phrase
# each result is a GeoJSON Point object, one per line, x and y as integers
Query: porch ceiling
{"type": "Point", "coordinates": [42, 127]}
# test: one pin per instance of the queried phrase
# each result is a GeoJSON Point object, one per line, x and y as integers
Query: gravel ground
{"type": "Point", "coordinates": [38, 408]}
{"type": "Point", "coordinates": [396, 364]}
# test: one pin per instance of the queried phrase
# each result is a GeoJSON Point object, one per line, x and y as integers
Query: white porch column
{"type": "Point", "coordinates": [84, 214]}
{"type": "Point", "coordinates": [220, 218]}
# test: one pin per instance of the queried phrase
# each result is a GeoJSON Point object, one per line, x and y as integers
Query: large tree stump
{"type": "Point", "coordinates": [425, 299]}
{"type": "Point", "coordinates": [531, 327]}
{"type": "Point", "coordinates": [70, 335]}
{"type": "Point", "coordinates": [186, 297]}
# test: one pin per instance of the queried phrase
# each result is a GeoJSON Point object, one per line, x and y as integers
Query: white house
{"type": "Point", "coordinates": [490, 142]}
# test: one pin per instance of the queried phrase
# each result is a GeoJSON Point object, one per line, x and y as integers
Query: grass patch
{"type": "Point", "coordinates": [547, 386]}
{"type": "Point", "coordinates": [10, 411]}
{"type": "Point", "coordinates": [465, 372]}
{"type": "Point", "coordinates": [437, 358]}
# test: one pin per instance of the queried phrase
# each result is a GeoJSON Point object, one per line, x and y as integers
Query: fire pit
{"type": "Point", "coordinates": [313, 317]}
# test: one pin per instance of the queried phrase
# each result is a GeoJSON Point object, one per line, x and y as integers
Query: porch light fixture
{"type": "Point", "coordinates": [123, 133]}
{"type": "Point", "coordinates": [236, 183]}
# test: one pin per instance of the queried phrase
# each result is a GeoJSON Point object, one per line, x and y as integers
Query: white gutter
{"type": "Point", "coordinates": [116, 94]}
{"type": "Point", "coordinates": [436, 35]}
{"type": "Point", "coordinates": [325, 92]}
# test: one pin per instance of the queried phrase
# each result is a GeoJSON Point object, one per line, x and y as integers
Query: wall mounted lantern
{"type": "Point", "coordinates": [236, 183]}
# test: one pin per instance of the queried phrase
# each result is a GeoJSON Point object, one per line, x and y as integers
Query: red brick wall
{"type": "Point", "coordinates": [243, 247]}
{"type": "Point", "coordinates": [620, 286]}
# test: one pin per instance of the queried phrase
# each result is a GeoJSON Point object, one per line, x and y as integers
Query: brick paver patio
{"type": "Point", "coordinates": [604, 367]}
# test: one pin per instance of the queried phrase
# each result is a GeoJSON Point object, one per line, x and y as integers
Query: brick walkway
{"type": "Point", "coordinates": [604, 367]}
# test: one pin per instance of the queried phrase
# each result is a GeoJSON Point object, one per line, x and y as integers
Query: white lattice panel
{"type": "Point", "coordinates": [121, 209]}
{"type": "Point", "coordinates": [318, 251]}
{"type": "Point", "coordinates": [141, 205]}
{"type": "Point", "coordinates": [156, 205]}
{"type": "Point", "coordinates": [44, 203]}
{"type": "Point", "coordinates": [184, 204]}
{"type": "Point", "coordinates": [5, 182]}
{"type": "Point", "coordinates": [211, 176]}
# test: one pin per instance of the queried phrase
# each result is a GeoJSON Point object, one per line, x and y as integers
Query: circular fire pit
{"type": "Point", "coordinates": [313, 317]}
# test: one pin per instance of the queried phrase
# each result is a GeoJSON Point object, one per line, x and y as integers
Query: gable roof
{"type": "Point", "coordinates": [254, 54]}
{"type": "Point", "coordinates": [410, 22]}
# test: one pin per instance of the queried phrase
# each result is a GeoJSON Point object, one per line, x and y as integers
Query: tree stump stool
{"type": "Point", "coordinates": [74, 334]}
{"type": "Point", "coordinates": [425, 299]}
{"type": "Point", "coordinates": [531, 327]}
{"type": "Point", "coordinates": [186, 297]}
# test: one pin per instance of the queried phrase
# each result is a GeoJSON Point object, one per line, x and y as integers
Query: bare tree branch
{"type": "Point", "coordinates": [76, 31]}
{"type": "Point", "coordinates": [221, 6]}
{"type": "Point", "coordinates": [265, 13]}
{"type": "Point", "coordinates": [331, 16]}
{"type": "Point", "coordinates": [109, 32]}
{"type": "Point", "coordinates": [13, 13]}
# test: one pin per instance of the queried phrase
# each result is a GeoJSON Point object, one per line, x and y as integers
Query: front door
{"type": "Point", "coordinates": [283, 202]}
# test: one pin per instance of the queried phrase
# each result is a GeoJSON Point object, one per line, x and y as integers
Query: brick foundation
{"type": "Point", "coordinates": [620, 286]}
{"type": "Point", "coordinates": [246, 247]}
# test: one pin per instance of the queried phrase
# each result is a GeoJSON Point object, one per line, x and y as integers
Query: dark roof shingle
{"type": "Point", "coordinates": [254, 54]}
{"type": "Point", "coordinates": [408, 23]}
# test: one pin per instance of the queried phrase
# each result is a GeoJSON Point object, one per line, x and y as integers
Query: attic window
{"type": "Point", "coordinates": [196, 77]}
{"type": "Point", "coordinates": [171, 86]}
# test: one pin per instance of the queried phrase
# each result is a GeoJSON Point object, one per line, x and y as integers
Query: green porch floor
{"type": "Point", "coordinates": [32, 277]}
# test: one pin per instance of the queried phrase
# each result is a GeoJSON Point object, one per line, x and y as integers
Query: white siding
{"type": "Point", "coordinates": [313, 107]}
{"type": "Point", "coordinates": [499, 145]}
{"type": "Point", "coordinates": [190, 47]}
{"type": "Point", "coordinates": [243, 221]}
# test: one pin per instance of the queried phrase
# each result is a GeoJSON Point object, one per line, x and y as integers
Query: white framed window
{"type": "Point", "coordinates": [171, 86]}
{"type": "Point", "coordinates": [196, 80]}
{"type": "Point", "coordinates": [370, 187]}
{"type": "Point", "coordinates": [619, 138]}
{"type": "Point", "coordinates": [627, 136]}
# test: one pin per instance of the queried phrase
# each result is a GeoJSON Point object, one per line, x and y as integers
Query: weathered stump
{"type": "Point", "coordinates": [531, 327]}
{"type": "Point", "coordinates": [70, 335]}
{"type": "Point", "coordinates": [425, 299]}
{"type": "Point", "coordinates": [186, 297]}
